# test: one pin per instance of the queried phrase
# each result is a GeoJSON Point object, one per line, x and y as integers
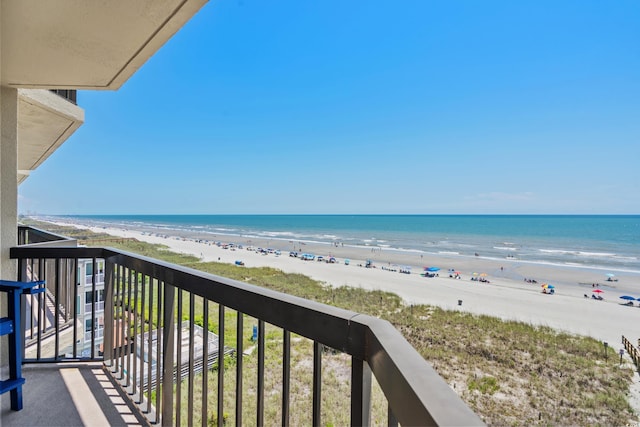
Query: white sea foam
{"type": "Point", "coordinates": [626, 258]}
{"type": "Point", "coordinates": [557, 251]}
{"type": "Point", "coordinates": [596, 254]}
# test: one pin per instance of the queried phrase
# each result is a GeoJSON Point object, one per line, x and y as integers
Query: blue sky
{"type": "Point", "coordinates": [366, 107]}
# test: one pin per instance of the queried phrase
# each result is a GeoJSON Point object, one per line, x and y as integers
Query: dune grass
{"type": "Point", "coordinates": [509, 373]}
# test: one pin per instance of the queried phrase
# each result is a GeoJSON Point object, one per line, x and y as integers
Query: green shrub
{"type": "Point", "coordinates": [486, 385]}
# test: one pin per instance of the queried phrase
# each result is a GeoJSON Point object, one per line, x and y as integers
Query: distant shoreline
{"type": "Point", "coordinates": [507, 295]}
{"type": "Point", "coordinates": [611, 249]}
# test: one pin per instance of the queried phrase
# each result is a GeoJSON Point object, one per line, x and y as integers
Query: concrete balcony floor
{"type": "Point", "coordinates": [69, 394]}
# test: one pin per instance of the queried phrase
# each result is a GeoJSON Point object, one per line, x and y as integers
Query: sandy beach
{"type": "Point", "coordinates": [506, 294]}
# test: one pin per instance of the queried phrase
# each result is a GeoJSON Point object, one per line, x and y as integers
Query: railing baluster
{"type": "Point", "coordinates": [42, 306]}
{"type": "Point", "coordinates": [94, 323]}
{"type": "Point", "coordinates": [118, 317]}
{"type": "Point", "coordinates": [286, 375]}
{"type": "Point", "coordinates": [169, 346]}
{"type": "Point", "coordinates": [150, 346]}
{"type": "Point", "coordinates": [56, 311]}
{"type": "Point", "coordinates": [33, 312]}
{"type": "Point", "coordinates": [317, 383]}
{"type": "Point", "coordinates": [42, 302]}
{"type": "Point", "coordinates": [360, 392]}
{"type": "Point", "coordinates": [220, 364]}
{"type": "Point", "coordinates": [239, 358]}
{"type": "Point", "coordinates": [260, 397]}
{"type": "Point", "coordinates": [179, 359]}
{"type": "Point", "coordinates": [134, 349]}
{"type": "Point", "coordinates": [130, 353]}
{"type": "Point", "coordinates": [143, 309]}
{"type": "Point", "coordinates": [22, 273]}
{"type": "Point", "coordinates": [191, 359]}
{"type": "Point", "coordinates": [39, 314]}
{"type": "Point", "coordinates": [122, 324]}
{"type": "Point", "coordinates": [109, 309]}
{"type": "Point", "coordinates": [76, 308]}
{"type": "Point", "coordinates": [23, 307]}
{"type": "Point", "coordinates": [205, 361]}
{"type": "Point", "coordinates": [159, 356]}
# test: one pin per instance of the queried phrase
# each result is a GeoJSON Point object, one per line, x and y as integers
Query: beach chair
{"type": "Point", "coordinates": [10, 326]}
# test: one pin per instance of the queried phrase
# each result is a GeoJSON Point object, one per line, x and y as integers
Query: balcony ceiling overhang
{"type": "Point", "coordinates": [80, 44]}
{"type": "Point", "coordinates": [45, 121]}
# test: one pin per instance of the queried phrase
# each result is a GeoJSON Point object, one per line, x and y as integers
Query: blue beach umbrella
{"type": "Point", "coordinates": [629, 298]}
{"type": "Point", "coordinates": [432, 269]}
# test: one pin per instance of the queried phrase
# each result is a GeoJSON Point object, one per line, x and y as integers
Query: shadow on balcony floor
{"type": "Point", "coordinates": [69, 395]}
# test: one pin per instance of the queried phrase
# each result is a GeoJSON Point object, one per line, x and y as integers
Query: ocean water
{"type": "Point", "coordinates": [600, 241]}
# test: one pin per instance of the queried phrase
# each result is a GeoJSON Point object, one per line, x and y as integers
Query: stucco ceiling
{"type": "Point", "coordinates": [80, 44]}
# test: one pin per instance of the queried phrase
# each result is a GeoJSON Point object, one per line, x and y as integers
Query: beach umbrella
{"type": "Point", "coordinates": [551, 287]}
{"type": "Point", "coordinates": [598, 291]}
{"type": "Point", "coordinates": [432, 269]}
{"type": "Point", "coordinates": [628, 297]}
{"type": "Point", "coordinates": [483, 274]}
{"type": "Point", "coordinates": [611, 275]}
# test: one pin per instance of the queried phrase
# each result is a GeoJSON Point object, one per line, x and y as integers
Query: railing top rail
{"type": "Point", "coordinates": [34, 251]}
{"type": "Point", "coordinates": [45, 236]}
{"type": "Point", "coordinates": [417, 394]}
{"type": "Point", "coordinates": [415, 391]}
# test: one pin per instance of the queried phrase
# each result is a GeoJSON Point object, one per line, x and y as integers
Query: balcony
{"type": "Point", "coordinates": [155, 348]}
{"type": "Point", "coordinates": [68, 94]}
{"type": "Point", "coordinates": [45, 121]}
{"type": "Point", "coordinates": [97, 306]}
{"type": "Point", "coordinates": [99, 279]}
{"type": "Point", "coordinates": [30, 236]}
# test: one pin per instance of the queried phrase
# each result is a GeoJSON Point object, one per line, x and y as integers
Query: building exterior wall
{"type": "Point", "coordinates": [85, 289]}
{"type": "Point", "coordinates": [8, 180]}
{"type": "Point", "coordinates": [8, 202]}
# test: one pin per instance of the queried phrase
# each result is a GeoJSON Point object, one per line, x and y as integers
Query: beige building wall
{"type": "Point", "coordinates": [8, 180]}
{"type": "Point", "coordinates": [8, 200]}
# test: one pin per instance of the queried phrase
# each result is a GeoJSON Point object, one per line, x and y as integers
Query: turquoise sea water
{"type": "Point", "coordinates": [602, 241]}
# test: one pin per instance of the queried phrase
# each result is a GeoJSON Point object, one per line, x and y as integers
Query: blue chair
{"type": "Point", "coordinates": [11, 326]}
